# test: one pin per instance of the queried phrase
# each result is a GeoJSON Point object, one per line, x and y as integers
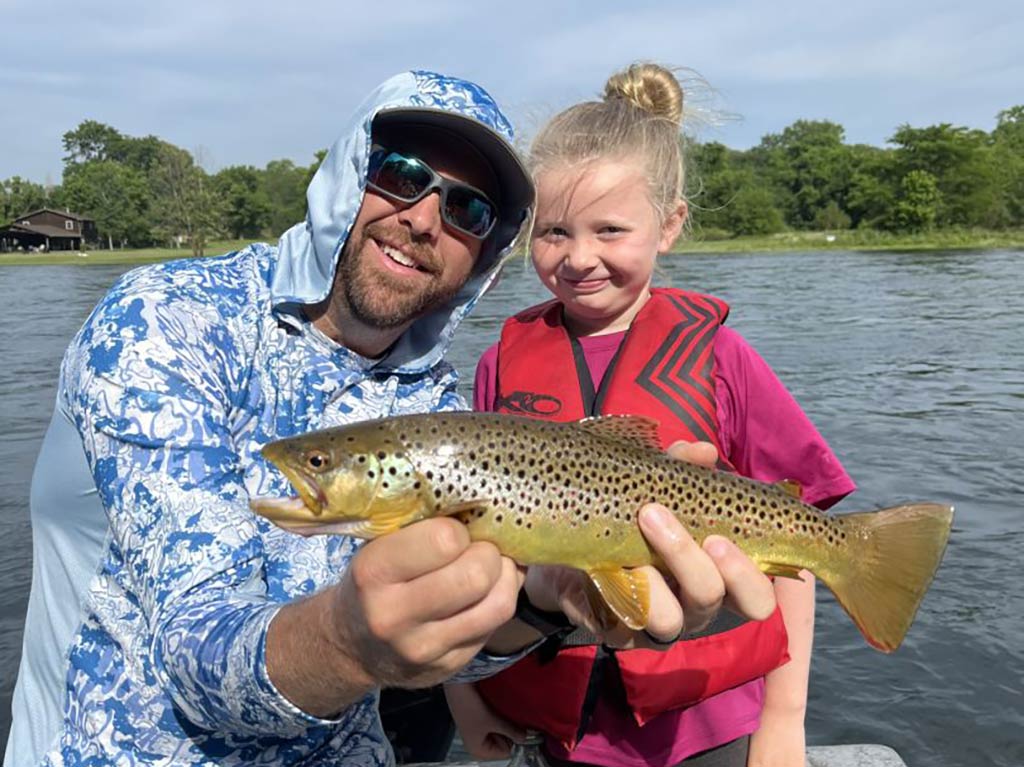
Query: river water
{"type": "Point", "coordinates": [910, 364]}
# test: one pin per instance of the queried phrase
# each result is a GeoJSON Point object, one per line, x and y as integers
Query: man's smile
{"type": "Point", "coordinates": [396, 259]}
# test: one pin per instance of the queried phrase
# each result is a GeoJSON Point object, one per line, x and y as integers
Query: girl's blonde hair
{"type": "Point", "coordinates": [640, 116]}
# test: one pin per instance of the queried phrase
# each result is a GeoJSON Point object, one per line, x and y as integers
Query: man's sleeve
{"type": "Point", "coordinates": [149, 382]}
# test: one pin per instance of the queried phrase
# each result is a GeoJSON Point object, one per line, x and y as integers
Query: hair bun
{"type": "Point", "coordinates": [650, 87]}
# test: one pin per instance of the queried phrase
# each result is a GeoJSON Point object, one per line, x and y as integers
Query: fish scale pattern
{"type": "Point", "coordinates": [548, 491]}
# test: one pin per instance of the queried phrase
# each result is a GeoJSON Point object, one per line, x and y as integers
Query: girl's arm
{"type": "Point", "coordinates": [780, 741]}
{"type": "Point", "coordinates": [484, 734]}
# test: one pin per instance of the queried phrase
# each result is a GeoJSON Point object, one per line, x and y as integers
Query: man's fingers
{"type": "Point", "coordinates": [749, 591]}
{"type": "Point", "coordinates": [462, 634]}
{"type": "Point", "coordinates": [411, 552]}
{"type": "Point", "coordinates": [460, 584]}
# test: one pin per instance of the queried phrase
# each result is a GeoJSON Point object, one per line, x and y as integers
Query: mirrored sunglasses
{"type": "Point", "coordinates": [408, 179]}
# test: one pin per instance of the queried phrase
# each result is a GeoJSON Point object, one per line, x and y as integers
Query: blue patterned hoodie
{"type": "Point", "coordinates": [153, 584]}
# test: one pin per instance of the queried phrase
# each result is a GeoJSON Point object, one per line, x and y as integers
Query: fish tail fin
{"type": "Point", "coordinates": [892, 557]}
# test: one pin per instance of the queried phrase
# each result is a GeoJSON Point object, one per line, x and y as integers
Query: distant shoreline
{"type": "Point", "coordinates": [855, 240]}
{"type": "Point", "coordinates": [695, 245]}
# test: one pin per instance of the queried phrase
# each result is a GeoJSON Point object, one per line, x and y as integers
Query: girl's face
{"type": "Point", "coordinates": [595, 240]}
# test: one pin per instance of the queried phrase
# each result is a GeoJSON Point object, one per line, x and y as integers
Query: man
{"type": "Point", "coordinates": [169, 625]}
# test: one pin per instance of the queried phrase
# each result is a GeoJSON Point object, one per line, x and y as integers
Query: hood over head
{"type": "Point", "coordinates": [308, 252]}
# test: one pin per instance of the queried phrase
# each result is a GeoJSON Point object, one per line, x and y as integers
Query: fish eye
{"type": "Point", "coordinates": [318, 460]}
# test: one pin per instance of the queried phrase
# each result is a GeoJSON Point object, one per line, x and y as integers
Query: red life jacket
{"type": "Point", "coordinates": [664, 370]}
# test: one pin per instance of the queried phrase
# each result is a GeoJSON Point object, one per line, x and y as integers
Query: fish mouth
{"type": "Point", "coordinates": [303, 509]}
{"type": "Point", "coordinates": [292, 514]}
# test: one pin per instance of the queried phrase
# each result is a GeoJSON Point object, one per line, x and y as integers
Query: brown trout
{"type": "Point", "coordinates": [569, 493]}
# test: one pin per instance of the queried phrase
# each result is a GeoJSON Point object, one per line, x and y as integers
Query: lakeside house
{"type": "Point", "coordinates": [47, 229]}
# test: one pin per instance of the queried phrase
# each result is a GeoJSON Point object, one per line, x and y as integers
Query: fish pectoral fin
{"type": "Point", "coordinates": [790, 487]}
{"type": "Point", "coordinates": [383, 524]}
{"type": "Point", "coordinates": [781, 571]}
{"type": "Point", "coordinates": [604, 616]}
{"type": "Point", "coordinates": [391, 514]}
{"type": "Point", "coordinates": [631, 430]}
{"type": "Point", "coordinates": [626, 592]}
{"type": "Point", "coordinates": [464, 511]}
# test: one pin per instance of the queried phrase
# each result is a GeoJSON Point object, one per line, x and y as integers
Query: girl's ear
{"type": "Point", "coordinates": [672, 226]}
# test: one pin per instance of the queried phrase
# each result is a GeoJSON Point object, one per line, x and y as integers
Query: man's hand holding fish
{"type": "Point", "coordinates": [413, 608]}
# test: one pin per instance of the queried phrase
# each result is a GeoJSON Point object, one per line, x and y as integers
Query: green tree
{"type": "Point", "coordinates": [244, 201]}
{"type": "Point", "coordinates": [115, 197]}
{"type": "Point", "coordinates": [1008, 149]}
{"type": "Point", "coordinates": [752, 211]}
{"type": "Point", "coordinates": [142, 154]}
{"type": "Point", "coordinates": [871, 196]}
{"type": "Point", "coordinates": [726, 196]}
{"type": "Point", "coordinates": [18, 196]}
{"type": "Point", "coordinates": [918, 202]}
{"type": "Point", "coordinates": [185, 204]}
{"type": "Point", "coordinates": [285, 187]}
{"type": "Point", "coordinates": [965, 169]}
{"type": "Point", "coordinates": [807, 165]}
{"type": "Point", "coordinates": [1009, 129]}
{"type": "Point", "coordinates": [91, 141]}
{"type": "Point", "coordinates": [831, 218]}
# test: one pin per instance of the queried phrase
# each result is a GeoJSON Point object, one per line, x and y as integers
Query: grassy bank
{"type": "Point", "coordinates": [855, 240]}
{"type": "Point", "coordinates": [786, 241]}
{"type": "Point", "coordinates": [128, 257]}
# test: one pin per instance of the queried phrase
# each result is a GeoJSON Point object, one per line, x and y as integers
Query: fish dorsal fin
{"type": "Point", "coordinates": [790, 487]}
{"type": "Point", "coordinates": [632, 430]}
{"type": "Point", "coordinates": [626, 592]}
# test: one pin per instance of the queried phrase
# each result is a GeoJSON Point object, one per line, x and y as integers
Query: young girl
{"type": "Point", "coordinates": [609, 178]}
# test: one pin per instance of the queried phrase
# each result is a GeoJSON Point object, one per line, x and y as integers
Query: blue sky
{"type": "Point", "coordinates": [248, 82]}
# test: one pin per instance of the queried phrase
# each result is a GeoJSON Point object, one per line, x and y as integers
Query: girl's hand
{"type": "Point", "coordinates": [485, 735]}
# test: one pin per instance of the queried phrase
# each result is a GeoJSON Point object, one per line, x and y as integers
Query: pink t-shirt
{"type": "Point", "coordinates": [766, 436]}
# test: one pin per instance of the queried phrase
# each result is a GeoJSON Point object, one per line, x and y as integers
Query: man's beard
{"type": "Point", "coordinates": [381, 301]}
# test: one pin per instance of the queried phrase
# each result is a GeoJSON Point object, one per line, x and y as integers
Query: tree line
{"type": "Point", "coordinates": [146, 191]}
{"type": "Point", "coordinates": [807, 178]}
